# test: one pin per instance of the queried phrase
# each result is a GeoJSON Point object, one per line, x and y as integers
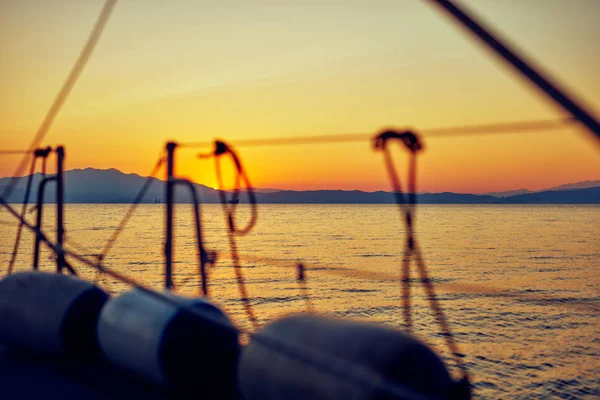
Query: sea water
{"type": "Point", "coordinates": [520, 285]}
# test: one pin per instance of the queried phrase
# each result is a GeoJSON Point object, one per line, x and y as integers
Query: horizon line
{"type": "Point", "coordinates": [341, 190]}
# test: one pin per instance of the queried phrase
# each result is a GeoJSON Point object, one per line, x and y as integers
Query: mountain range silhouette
{"type": "Point", "coordinates": [92, 185]}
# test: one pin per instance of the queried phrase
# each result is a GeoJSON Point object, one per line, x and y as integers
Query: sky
{"type": "Point", "coordinates": [192, 71]}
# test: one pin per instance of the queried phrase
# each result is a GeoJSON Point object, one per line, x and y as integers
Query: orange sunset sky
{"type": "Point", "coordinates": [196, 70]}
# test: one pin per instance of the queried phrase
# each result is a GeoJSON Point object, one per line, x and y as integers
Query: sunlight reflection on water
{"type": "Point", "coordinates": [514, 348]}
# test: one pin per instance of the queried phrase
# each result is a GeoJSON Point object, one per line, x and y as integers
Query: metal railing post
{"type": "Point", "coordinates": [171, 146]}
{"type": "Point", "coordinates": [39, 215]}
{"type": "Point", "coordinates": [60, 229]}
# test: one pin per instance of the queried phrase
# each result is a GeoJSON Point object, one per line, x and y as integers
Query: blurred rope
{"type": "Point", "coordinates": [16, 152]}
{"type": "Point", "coordinates": [63, 94]}
{"type": "Point", "coordinates": [533, 74]}
{"type": "Point", "coordinates": [406, 204]}
{"type": "Point", "coordinates": [452, 131]}
{"type": "Point", "coordinates": [229, 206]}
{"type": "Point", "coordinates": [83, 250]}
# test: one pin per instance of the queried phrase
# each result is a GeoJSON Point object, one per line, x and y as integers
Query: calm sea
{"type": "Point", "coordinates": [541, 340]}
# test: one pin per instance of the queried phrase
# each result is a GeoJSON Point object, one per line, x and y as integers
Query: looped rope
{"type": "Point", "coordinates": [229, 207]}
{"type": "Point", "coordinates": [410, 140]}
{"type": "Point", "coordinates": [407, 204]}
{"type": "Point", "coordinates": [44, 152]}
{"type": "Point", "coordinates": [222, 149]}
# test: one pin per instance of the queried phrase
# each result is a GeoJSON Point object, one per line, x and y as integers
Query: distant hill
{"type": "Point", "coordinates": [92, 185]}
{"type": "Point", "coordinates": [112, 186]}
{"type": "Point", "coordinates": [509, 193]}
{"type": "Point", "coordinates": [577, 196]}
{"type": "Point", "coordinates": [578, 185]}
{"type": "Point", "coordinates": [568, 186]}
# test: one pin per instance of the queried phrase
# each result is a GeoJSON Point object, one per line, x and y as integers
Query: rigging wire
{"type": "Point", "coordinates": [64, 92]}
{"type": "Point", "coordinates": [533, 74]}
{"type": "Point", "coordinates": [440, 132]}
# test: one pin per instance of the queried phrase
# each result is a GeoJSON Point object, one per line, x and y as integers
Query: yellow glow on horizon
{"type": "Point", "coordinates": [238, 72]}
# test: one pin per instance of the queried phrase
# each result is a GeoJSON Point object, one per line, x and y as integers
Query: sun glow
{"type": "Point", "coordinates": [246, 72]}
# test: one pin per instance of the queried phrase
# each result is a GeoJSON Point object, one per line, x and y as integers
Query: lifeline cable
{"type": "Point", "coordinates": [439, 132]}
{"type": "Point", "coordinates": [19, 152]}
